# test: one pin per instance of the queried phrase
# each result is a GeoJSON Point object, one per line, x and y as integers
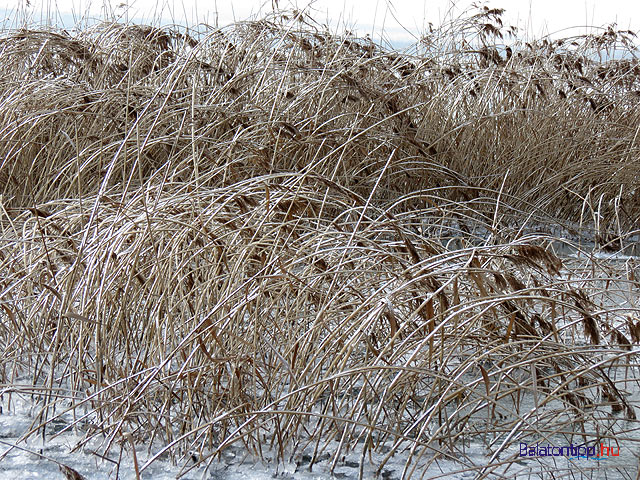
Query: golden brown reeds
{"type": "Point", "coordinates": [279, 237]}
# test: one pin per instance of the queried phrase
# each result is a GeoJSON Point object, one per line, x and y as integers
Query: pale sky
{"type": "Point", "coordinates": [398, 19]}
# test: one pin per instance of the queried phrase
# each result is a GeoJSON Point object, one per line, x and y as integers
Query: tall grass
{"type": "Point", "coordinates": [274, 236]}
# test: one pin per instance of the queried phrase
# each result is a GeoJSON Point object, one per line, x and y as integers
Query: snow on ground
{"type": "Point", "coordinates": [31, 460]}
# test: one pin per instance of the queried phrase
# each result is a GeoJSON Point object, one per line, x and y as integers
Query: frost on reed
{"type": "Point", "coordinates": [274, 236]}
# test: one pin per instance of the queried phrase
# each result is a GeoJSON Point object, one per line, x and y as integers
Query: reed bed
{"type": "Point", "coordinates": [273, 236]}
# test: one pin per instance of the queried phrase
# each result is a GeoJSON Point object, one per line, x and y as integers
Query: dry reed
{"type": "Point", "coordinates": [275, 236]}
